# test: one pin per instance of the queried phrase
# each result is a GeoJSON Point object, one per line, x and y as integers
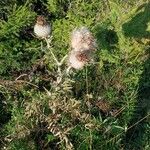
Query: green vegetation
{"type": "Point", "coordinates": [105, 106]}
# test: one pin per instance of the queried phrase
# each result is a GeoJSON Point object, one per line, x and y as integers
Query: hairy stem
{"type": "Point", "coordinates": [59, 64]}
{"type": "Point", "coordinates": [49, 47]}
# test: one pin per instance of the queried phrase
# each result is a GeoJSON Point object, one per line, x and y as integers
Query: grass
{"type": "Point", "coordinates": [103, 106]}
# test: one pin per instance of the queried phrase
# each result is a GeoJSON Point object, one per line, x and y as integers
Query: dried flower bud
{"type": "Point", "coordinates": [82, 40]}
{"type": "Point", "coordinates": [42, 29]}
{"type": "Point", "coordinates": [78, 59]}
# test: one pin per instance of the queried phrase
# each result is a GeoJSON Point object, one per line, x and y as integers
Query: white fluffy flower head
{"type": "Point", "coordinates": [77, 60]}
{"type": "Point", "coordinates": [42, 29]}
{"type": "Point", "coordinates": [82, 40]}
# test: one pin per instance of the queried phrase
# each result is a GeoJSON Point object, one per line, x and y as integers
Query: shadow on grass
{"type": "Point", "coordinates": [137, 26]}
{"type": "Point", "coordinates": [106, 39]}
{"type": "Point", "coordinates": [138, 137]}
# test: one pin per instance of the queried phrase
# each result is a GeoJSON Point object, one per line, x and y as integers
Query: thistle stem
{"type": "Point", "coordinates": [68, 69]}
{"type": "Point", "coordinates": [63, 59]}
{"type": "Point", "coordinates": [59, 78]}
{"type": "Point", "coordinates": [49, 47]}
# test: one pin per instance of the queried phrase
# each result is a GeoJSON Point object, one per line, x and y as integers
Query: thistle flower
{"type": "Point", "coordinates": [77, 59]}
{"type": "Point", "coordinates": [42, 29]}
{"type": "Point", "coordinates": [82, 40]}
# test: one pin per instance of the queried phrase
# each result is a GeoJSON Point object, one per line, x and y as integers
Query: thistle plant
{"type": "Point", "coordinates": [82, 44]}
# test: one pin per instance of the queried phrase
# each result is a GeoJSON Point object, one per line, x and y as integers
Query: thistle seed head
{"type": "Point", "coordinates": [77, 59]}
{"type": "Point", "coordinates": [82, 40]}
{"type": "Point", "coordinates": [42, 29]}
